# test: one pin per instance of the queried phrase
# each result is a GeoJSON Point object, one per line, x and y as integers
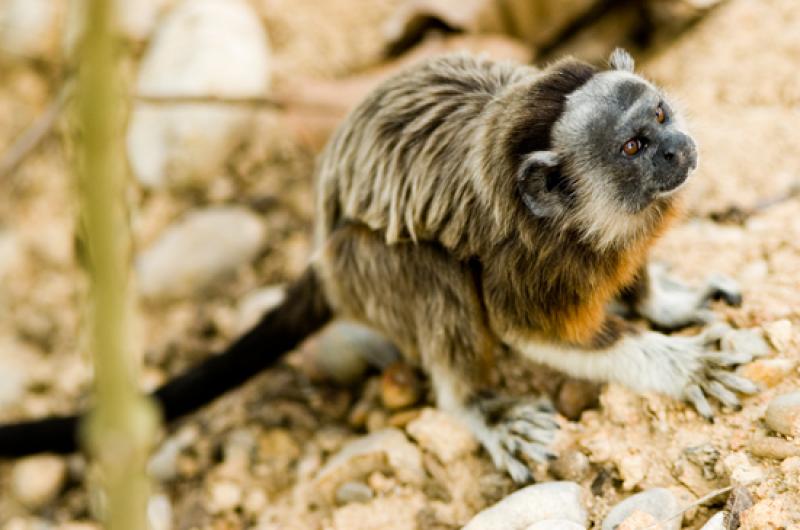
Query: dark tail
{"type": "Point", "coordinates": [303, 311]}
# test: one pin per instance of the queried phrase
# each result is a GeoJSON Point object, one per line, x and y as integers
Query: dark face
{"type": "Point", "coordinates": [623, 143]}
{"type": "Point", "coordinates": [638, 141]}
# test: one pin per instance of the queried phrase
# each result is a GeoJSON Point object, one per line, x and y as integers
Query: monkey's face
{"type": "Point", "coordinates": [618, 150]}
{"type": "Point", "coordinates": [621, 139]}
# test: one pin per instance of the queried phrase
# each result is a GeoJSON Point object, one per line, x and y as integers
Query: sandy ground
{"type": "Point", "coordinates": [250, 459]}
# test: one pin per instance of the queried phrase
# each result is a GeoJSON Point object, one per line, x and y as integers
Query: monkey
{"type": "Point", "coordinates": [467, 207]}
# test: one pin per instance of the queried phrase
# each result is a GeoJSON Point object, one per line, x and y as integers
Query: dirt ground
{"type": "Point", "coordinates": [253, 458]}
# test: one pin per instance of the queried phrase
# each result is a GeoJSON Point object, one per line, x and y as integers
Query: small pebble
{"type": "Point", "coordinates": [224, 496]}
{"type": "Point", "coordinates": [571, 465]}
{"type": "Point", "coordinates": [255, 501]}
{"type": "Point", "coordinates": [717, 522]}
{"type": "Point", "coordinates": [344, 350]}
{"type": "Point", "coordinates": [774, 447]}
{"type": "Point", "coordinates": [353, 491]}
{"type": "Point", "coordinates": [442, 435]}
{"type": "Point", "coordinates": [159, 512]}
{"type": "Point", "coordinates": [749, 341]}
{"type": "Point", "coordinates": [575, 396]}
{"type": "Point", "coordinates": [783, 414]}
{"type": "Point", "coordinates": [660, 503]}
{"type": "Point", "coordinates": [768, 372]}
{"type": "Point", "coordinates": [779, 334]}
{"type": "Point", "coordinates": [533, 504]}
{"type": "Point", "coordinates": [37, 480]}
{"type": "Point", "coordinates": [400, 386]}
{"type": "Point", "coordinates": [740, 470]}
{"type": "Point", "coordinates": [556, 524]}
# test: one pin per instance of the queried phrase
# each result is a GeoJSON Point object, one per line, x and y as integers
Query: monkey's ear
{"type": "Point", "coordinates": [621, 60]}
{"type": "Point", "coordinates": [539, 181]}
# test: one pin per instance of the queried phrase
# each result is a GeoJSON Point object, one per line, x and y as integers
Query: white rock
{"type": "Point", "coordinates": [163, 465]}
{"type": "Point", "coordinates": [779, 334]}
{"type": "Point", "coordinates": [540, 502]}
{"type": "Point", "coordinates": [29, 28]}
{"type": "Point", "coordinates": [783, 414]}
{"type": "Point", "coordinates": [36, 480]}
{"type": "Point", "coordinates": [442, 435]}
{"type": "Point", "coordinates": [384, 450]}
{"type": "Point", "coordinates": [661, 503]}
{"type": "Point", "coordinates": [556, 524]}
{"type": "Point", "coordinates": [344, 350]}
{"type": "Point", "coordinates": [741, 470]}
{"type": "Point", "coordinates": [159, 513]}
{"type": "Point", "coordinates": [224, 496]}
{"type": "Point", "coordinates": [212, 48]}
{"type": "Point", "coordinates": [717, 522]}
{"type": "Point", "coordinates": [258, 302]}
{"type": "Point", "coordinates": [745, 341]}
{"type": "Point", "coordinates": [197, 250]}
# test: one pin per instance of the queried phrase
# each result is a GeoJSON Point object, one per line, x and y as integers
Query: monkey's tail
{"type": "Point", "coordinates": [303, 311]}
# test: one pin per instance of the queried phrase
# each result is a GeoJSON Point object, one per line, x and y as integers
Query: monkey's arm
{"type": "Point", "coordinates": [670, 304]}
{"type": "Point", "coordinates": [688, 368]}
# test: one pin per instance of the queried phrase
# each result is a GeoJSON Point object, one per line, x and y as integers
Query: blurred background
{"type": "Point", "coordinates": [230, 101]}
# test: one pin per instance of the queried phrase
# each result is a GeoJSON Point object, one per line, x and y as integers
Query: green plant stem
{"type": "Point", "coordinates": [120, 431]}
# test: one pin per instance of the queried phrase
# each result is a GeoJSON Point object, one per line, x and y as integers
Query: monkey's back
{"type": "Point", "coordinates": [405, 161]}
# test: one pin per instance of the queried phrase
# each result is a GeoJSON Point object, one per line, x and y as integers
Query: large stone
{"type": "Point", "coordinates": [204, 48]}
{"type": "Point", "coordinates": [783, 414]}
{"type": "Point", "coordinates": [540, 502]}
{"type": "Point", "coordinates": [30, 28]}
{"type": "Point", "coordinates": [197, 250]}
{"type": "Point", "coordinates": [35, 481]}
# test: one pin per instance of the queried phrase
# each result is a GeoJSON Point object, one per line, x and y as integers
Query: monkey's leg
{"type": "Point", "coordinates": [427, 303]}
{"type": "Point", "coordinates": [688, 368]}
{"type": "Point", "coordinates": [514, 431]}
{"type": "Point", "coordinates": [670, 304]}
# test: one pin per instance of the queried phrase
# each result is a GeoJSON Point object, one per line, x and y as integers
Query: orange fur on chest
{"type": "Point", "coordinates": [581, 323]}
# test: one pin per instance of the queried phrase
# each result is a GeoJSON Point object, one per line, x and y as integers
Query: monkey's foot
{"type": "Point", "coordinates": [672, 304]}
{"type": "Point", "coordinates": [516, 431]}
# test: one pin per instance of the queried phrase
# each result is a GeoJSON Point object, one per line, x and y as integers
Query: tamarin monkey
{"type": "Point", "coordinates": [467, 206]}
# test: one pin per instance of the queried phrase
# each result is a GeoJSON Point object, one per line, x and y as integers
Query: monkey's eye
{"type": "Point", "coordinates": [632, 146]}
{"type": "Point", "coordinates": [661, 116]}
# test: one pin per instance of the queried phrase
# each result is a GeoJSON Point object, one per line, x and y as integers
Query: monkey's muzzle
{"type": "Point", "coordinates": [677, 157]}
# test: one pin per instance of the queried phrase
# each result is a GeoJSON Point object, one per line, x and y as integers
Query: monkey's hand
{"type": "Point", "coordinates": [670, 304]}
{"type": "Point", "coordinates": [514, 431]}
{"type": "Point", "coordinates": [690, 368]}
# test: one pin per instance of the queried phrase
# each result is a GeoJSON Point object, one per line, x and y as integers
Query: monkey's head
{"type": "Point", "coordinates": [617, 152]}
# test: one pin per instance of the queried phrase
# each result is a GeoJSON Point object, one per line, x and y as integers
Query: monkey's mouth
{"type": "Point", "coordinates": [671, 185]}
